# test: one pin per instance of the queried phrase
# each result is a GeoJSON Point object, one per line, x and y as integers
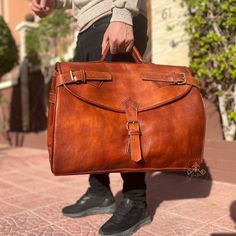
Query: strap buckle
{"type": "Point", "coordinates": [74, 78]}
{"type": "Point", "coordinates": [131, 122]}
{"type": "Point", "coordinates": [181, 82]}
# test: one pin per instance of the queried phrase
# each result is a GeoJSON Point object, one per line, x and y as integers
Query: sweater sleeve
{"type": "Point", "coordinates": [63, 4]}
{"type": "Point", "coordinates": [124, 10]}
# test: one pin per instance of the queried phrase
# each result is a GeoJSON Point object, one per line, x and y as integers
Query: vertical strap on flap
{"type": "Point", "coordinates": [133, 128]}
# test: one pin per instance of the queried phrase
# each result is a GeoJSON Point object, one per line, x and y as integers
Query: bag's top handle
{"type": "Point", "coordinates": [134, 52]}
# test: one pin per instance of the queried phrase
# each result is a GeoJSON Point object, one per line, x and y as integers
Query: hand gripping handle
{"type": "Point", "coordinates": [134, 52]}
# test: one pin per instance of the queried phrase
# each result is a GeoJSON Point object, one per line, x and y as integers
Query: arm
{"type": "Point", "coordinates": [119, 33]}
{"type": "Point", "coordinates": [63, 4]}
{"type": "Point", "coordinates": [124, 10]}
{"type": "Point", "coordinates": [43, 8]}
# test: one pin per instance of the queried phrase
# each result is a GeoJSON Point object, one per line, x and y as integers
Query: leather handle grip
{"type": "Point", "coordinates": [134, 52]}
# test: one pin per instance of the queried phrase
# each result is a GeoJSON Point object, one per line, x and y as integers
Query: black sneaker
{"type": "Point", "coordinates": [128, 218]}
{"type": "Point", "coordinates": [91, 204]}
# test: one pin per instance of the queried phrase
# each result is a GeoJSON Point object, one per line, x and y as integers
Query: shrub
{"type": "Point", "coordinates": [212, 26]}
{"type": "Point", "coordinates": [8, 48]}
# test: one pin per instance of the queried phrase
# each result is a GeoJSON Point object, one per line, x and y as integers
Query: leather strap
{"type": "Point", "coordinates": [52, 97]}
{"type": "Point", "coordinates": [134, 52]}
{"type": "Point", "coordinates": [134, 131]}
{"type": "Point", "coordinates": [82, 76]}
{"type": "Point", "coordinates": [172, 78]}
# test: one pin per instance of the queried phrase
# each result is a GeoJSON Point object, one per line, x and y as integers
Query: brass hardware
{"type": "Point", "coordinates": [181, 82]}
{"type": "Point", "coordinates": [74, 78]}
{"type": "Point", "coordinates": [131, 122]}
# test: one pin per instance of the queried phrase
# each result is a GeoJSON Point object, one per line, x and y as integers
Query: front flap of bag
{"type": "Point", "coordinates": [110, 84]}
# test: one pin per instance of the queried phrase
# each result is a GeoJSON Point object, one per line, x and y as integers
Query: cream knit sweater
{"type": "Point", "coordinates": [88, 11]}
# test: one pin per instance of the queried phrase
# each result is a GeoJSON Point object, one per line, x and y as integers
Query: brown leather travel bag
{"type": "Point", "coordinates": [124, 117]}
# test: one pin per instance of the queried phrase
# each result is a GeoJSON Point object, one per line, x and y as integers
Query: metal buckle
{"type": "Point", "coordinates": [181, 82]}
{"type": "Point", "coordinates": [131, 122]}
{"type": "Point", "coordinates": [74, 78]}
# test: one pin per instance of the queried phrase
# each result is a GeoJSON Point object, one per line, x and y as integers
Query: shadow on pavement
{"type": "Point", "coordinates": [173, 186]}
{"type": "Point", "coordinates": [233, 212]}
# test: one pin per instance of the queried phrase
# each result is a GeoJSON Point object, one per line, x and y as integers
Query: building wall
{"type": "Point", "coordinates": [1, 7]}
{"type": "Point", "coordinates": [169, 40]}
{"type": "Point", "coordinates": [14, 11]}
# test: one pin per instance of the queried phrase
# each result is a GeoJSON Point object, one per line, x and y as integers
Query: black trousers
{"type": "Point", "coordinates": [89, 49]}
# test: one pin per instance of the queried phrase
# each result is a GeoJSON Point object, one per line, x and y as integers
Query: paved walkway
{"type": "Point", "coordinates": [31, 199]}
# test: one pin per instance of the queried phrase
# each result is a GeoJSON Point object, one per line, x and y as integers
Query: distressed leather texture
{"type": "Point", "coordinates": [124, 117]}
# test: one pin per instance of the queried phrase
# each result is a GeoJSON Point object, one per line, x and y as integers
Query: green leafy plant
{"type": "Point", "coordinates": [212, 29]}
{"type": "Point", "coordinates": [8, 57]}
{"type": "Point", "coordinates": [48, 40]}
{"type": "Point", "coordinates": [8, 48]}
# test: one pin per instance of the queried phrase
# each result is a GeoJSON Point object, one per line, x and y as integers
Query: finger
{"type": "Point", "coordinates": [42, 14]}
{"type": "Point", "coordinates": [35, 4]}
{"type": "Point", "coordinates": [43, 3]}
{"type": "Point", "coordinates": [113, 48]}
{"type": "Point", "coordinates": [105, 42]}
{"type": "Point", "coordinates": [129, 47]}
{"type": "Point", "coordinates": [35, 9]}
{"type": "Point", "coordinates": [122, 47]}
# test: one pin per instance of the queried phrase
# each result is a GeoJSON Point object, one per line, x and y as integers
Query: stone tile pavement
{"type": "Point", "coordinates": [31, 199]}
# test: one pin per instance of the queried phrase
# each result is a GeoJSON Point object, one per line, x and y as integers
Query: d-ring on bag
{"type": "Point", "coordinates": [124, 117]}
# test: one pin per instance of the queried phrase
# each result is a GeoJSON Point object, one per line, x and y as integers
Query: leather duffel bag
{"type": "Point", "coordinates": [124, 117]}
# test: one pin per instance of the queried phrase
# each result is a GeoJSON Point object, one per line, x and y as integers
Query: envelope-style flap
{"type": "Point", "coordinates": [147, 84]}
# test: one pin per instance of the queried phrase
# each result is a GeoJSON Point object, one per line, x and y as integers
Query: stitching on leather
{"type": "Point", "coordinates": [123, 110]}
{"type": "Point", "coordinates": [144, 169]}
{"type": "Point", "coordinates": [123, 102]}
{"type": "Point", "coordinates": [92, 102]}
{"type": "Point", "coordinates": [168, 101]}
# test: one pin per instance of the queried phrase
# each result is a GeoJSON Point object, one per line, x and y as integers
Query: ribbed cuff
{"type": "Point", "coordinates": [122, 15]}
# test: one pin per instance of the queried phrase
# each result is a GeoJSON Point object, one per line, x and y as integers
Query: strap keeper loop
{"type": "Point", "coordinates": [83, 77]}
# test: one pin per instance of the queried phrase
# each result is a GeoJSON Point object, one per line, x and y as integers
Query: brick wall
{"type": "Point", "coordinates": [169, 41]}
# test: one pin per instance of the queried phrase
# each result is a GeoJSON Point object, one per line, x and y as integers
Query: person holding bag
{"type": "Point", "coordinates": [121, 24]}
